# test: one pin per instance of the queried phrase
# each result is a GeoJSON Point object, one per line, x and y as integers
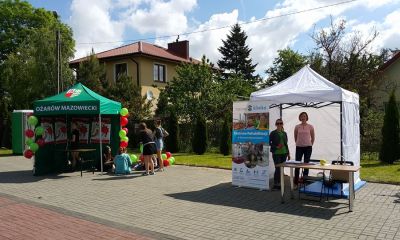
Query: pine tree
{"type": "Point", "coordinates": [173, 130]}
{"type": "Point", "coordinates": [390, 132]}
{"type": "Point", "coordinates": [199, 141]}
{"type": "Point", "coordinates": [92, 74]}
{"type": "Point", "coordinates": [236, 55]}
{"type": "Point", "coordinates": [225, 141]}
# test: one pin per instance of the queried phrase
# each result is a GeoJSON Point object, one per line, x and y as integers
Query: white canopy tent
{"type": "Point", "coordinates": [332, 110]}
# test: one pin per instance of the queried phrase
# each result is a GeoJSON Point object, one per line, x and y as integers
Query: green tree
{"type": "Point", "coordinates": [171, 141]}
{"type": "Point", "coordinates": [225, 138]}
{"type": "Point", "coordinates": [199, 140]}
{"type": "Point", "coordinates": [390, 132]}
{"type": "Point", "coordinates": [130, 96]}
{"type": "Point", "coordinates": [28, 55]}
{"type": "Point", "coordinates": [236, 55]}
{"type": "Point", "coordinates": [92, 74]}
{"type": "Point", "coordinates": [285, 65]}
{"type": "Point", "coordinates": [193, 92]}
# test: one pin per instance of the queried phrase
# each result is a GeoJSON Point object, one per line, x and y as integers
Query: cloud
{"type": "Point", "coordinates": [160, 17]}
{"type": "Point", "coordinates": [91, 22]}
{"type": "Point", "coordinates": [389, 31]}
{"type": "Point", "coordinates": [103, 20]}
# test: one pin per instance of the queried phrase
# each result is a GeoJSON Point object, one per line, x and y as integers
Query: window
{"type": "Point", "coordinates": [159, 73]}
{"type": "Point", "coordinates": [120, 69]}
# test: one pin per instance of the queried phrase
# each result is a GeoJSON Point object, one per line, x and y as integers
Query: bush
{"type": "Point", "coordinates": [199, 140]}
{"type": "Point", "coordinates": [171, 141]}
{"type": "Point", "coordinates": [225, 139]}
{"type": "Point", "coordinates": [390, 132]}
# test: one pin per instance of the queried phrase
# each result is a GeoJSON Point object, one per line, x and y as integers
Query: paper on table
{"type": "Point", "coordinates": [293, 161]}
{"type": "Point", "coordinates": [300, 162]}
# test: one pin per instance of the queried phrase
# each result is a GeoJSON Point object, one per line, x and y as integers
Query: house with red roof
{"type": "Point", "coordinates": [389, 80]}
{"type": "Point", "coordinates": [150, 66]}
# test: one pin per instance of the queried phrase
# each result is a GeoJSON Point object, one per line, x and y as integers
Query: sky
{"type": "Point", "coordinates": [269, 24]}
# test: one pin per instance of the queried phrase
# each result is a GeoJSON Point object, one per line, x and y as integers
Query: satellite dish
{"type": "Point", "coordinates": [149, 95]}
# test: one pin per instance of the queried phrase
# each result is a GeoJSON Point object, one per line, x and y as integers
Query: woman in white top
{"type": "Point", "coordinates": [304, 137]}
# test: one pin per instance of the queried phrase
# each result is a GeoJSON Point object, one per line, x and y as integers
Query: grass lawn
{"type": "Point", "coordinates": [5, 152]}
{"type": "Point", "coordinates": [375, 171]}
{"type": "Point", "coordinates": [206, 160]}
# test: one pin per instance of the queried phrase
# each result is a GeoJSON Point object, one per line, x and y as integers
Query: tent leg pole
{"type": "Point", "coordinates": [101, 147]}
{"type": "Point", "coordinates": [341, 131]}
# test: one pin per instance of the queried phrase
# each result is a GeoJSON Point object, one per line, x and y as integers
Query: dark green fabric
{"type": "Point", "coordinates": [85, 102]}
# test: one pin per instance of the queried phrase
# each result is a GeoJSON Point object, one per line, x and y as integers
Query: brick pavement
{"type": "Point", "coordinates": [200, 203]}
{"type": "Point", "coordinates": [21, 220]}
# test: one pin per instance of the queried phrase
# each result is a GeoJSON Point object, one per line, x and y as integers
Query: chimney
{"type": "Point", "coordinates": [140, 46]}
{"type": "Point", "coordinates": [180, 49]}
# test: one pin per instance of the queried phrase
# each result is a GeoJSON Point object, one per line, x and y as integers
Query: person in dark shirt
{"type": "Point", "coordinates": [74, 144]}
{"type": "Point", "coordinates": [149, 148]}
{"type": "Point", "coordinates": [278, 141]}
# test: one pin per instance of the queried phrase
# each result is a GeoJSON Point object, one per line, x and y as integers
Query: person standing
{"type": "Point", "coordinates": [304, 137]}
{"type": "Point", "coordinates": [278, 142]}
{"type": "Point", "coordinates": [149, 148]}
{"type": "Point", "coordinates": [160, 133]}
{"type": "Point", "coordinates": [74, 144]}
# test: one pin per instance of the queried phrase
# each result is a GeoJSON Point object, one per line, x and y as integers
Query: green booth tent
{"type": "Point", "coordinates": [76, 102]}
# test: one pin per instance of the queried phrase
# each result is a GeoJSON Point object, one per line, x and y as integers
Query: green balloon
{"type": "Point", "coordinates": [39, 131]}
{"type": "Point", "coordinates": [172, 160]}
{"type": "Point", "coordinates": [164, 156]}
{"type": "Point", "coordinates": [32, 120]}
{"type": "Point", "coordinates": [122, 133]}
{"type": "Point", "coordinates": [29, 141]}
{"type": "Point", "coordinates": [133, 158]}
{"type": "Point", "coordinates": [34, 147]}
{"type": "Point", "coordinates": [125, 139]}
{"type": "Point", "coordinates": [141, 148]}
{"type": "Point", "coordinates": [124, 112]}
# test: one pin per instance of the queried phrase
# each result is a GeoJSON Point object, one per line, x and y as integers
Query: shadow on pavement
{"type": "Point", "coordinates": [24, 177]}
{"type": "Point", "coordinates": [110, 177]}
{"type": "Point", "coordinates": [261, 201]}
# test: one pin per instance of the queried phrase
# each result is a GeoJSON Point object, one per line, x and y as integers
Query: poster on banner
{"type": "Point", "coordinates": [82, 125]}
{"type": "Point", "coordinates": [250, 144]}
{"type": "Point", "coordinates": [60, 130]}
{"type": "Point", "coordinates": [105, 130]}
{"type": "Point", "coordinates": [48, 134]}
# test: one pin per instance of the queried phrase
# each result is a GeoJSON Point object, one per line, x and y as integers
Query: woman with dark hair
{"type": "Point", "coordinates": [149, 148]}
{"type": "Point", "coordinates": [278, 142]}
{"type": "Point", "coordinates": [304, 137]}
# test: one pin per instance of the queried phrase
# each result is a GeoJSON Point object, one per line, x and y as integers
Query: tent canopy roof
{"type": "Point", "coordinates": [76, 100]}
{"type": "Point", "coordinates": [305, 86]}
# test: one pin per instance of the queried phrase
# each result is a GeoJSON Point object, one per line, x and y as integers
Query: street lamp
{"type": "Point", "coordinates": [58, 54]}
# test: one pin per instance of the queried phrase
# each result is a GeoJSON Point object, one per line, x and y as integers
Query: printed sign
{"type": "Point", "coordinates": [48, 134]}
{"type": "Point", "coordinates": [250, 144]}
{"type": "Point", "coordinates": [82, 124]}
{"type": "Point", "coordinates": [103, 131]}
{"type": "Point", "coordinates": [60, 130]}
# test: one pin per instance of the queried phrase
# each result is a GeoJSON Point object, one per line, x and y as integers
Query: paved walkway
{"type": "Point", "coordinates": [193, 203]}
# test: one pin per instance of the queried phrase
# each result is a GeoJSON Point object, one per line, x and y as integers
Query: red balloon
{"type": "Point", "coordinates": [28, 154]}
{"type": "Point", "coordinates": [168, 154]}
{"type": "Point", "coordinates": [124, 121]}
{"type": "Point", "coordinates": [125, 129]}
{"type": "Point", "coordinates": [141, 157]}
{"type": "Point", "coordinates": [166, 163]}
{"type": "Point", "coordinates": [40, 142]}
{"type": "Point", "coordinates": [29, 133]}
{"type": "Point", "coordinates": [123, 144]}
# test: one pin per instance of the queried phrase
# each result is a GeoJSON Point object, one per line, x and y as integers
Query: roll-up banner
{"type": "Point", "coordinates": [250, 144]}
